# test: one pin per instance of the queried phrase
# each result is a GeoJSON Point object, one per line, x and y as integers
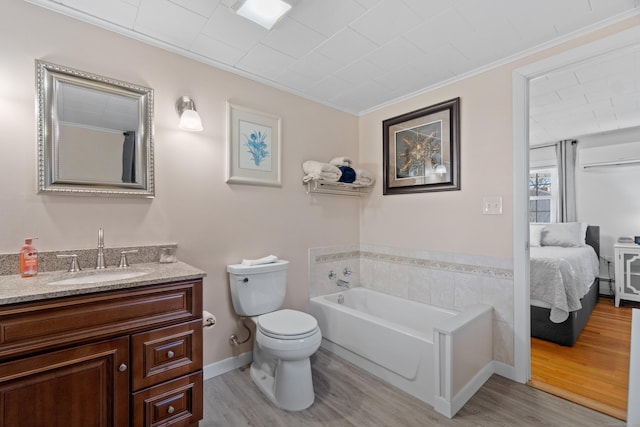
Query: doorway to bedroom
{"type": "Point", "coordinates": [562, 106]}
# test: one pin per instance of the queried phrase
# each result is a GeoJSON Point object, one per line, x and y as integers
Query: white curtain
{"type": "Point", "coordinates": [566, 156]}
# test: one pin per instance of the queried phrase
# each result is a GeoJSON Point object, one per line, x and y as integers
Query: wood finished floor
{"type": "Point", "coordinates": [595, 371]}
{"type": "Point", "coordinates": [348, 396]}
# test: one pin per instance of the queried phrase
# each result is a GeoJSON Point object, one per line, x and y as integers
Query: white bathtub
{"type": "Point", "coordinates": [440, 356]}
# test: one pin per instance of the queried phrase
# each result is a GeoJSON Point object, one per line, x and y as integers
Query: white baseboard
{"type": "Point", "coordinates": [226, 365]}
{"type": "Point", "coordinates": [504, 370]}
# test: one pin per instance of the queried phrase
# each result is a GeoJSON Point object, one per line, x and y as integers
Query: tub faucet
{"type": "Point", "coordinates": [343, 283]}
{"type": "Point", "coordinates": [100, 259]}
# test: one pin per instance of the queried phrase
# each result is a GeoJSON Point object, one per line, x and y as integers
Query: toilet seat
{"type": "Point", "coordinates": [287, 324]}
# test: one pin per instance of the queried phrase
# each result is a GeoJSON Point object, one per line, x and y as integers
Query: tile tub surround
{"type": "Point", "coordinates": [441, 279]}
{"type": "Point", "coordinates": [48, 261]}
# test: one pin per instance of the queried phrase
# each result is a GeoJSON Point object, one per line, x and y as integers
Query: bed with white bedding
{"type": "Point", "coordinates": [563, 280]}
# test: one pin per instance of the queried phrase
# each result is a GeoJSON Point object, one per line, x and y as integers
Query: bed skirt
{"type": "Point", "coordinates": [567, 332]}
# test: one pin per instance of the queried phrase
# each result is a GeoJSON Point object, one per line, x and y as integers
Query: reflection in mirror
{"type": "Point", "coordinates": [94, 134]}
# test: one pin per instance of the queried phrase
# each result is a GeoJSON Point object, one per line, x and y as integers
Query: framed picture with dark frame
{"type": "Point", "coordinates": [421, 150]}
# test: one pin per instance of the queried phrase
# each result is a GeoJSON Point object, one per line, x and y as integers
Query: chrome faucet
{"type": "Point", "coordinates": [100, 260]}
{"type": "Point", "coordinates": [343, 283]}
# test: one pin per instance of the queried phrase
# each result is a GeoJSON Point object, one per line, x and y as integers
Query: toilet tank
{"type": "Point", "coordinates": [258, 289]}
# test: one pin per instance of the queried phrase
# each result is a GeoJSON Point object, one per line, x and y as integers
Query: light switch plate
{"type": "Point", "coordinates": [492, 205]}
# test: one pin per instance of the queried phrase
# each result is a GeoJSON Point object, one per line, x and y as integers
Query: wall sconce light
{"type": "Point", "coordinates": [189, 117]}
{"type": "Point", "coordinates": [262, 12]}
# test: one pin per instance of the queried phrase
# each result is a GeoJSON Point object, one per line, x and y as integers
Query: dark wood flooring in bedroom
{"type": "Point", "coordinates": [595, 371]}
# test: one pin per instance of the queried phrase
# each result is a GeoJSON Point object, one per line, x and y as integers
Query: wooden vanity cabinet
{"type": "Point", "coordinates": [117, 358]}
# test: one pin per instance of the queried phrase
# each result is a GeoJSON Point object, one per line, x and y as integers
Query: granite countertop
{"type": "Point", "coordinates": [15, 289]}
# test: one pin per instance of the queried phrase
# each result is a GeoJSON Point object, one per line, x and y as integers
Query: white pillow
{"type": "Point", "coordinates": [535, 234]}
{"type": "Point", "coordinates": [565, 234]}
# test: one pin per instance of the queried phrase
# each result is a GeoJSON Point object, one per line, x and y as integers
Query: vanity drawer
{"type": "Point", "coordinates": [174, 403]}
{"type": "Point", "coordinates": [166, 353]}
{"type": "Point", "coordinates": [27, 327]}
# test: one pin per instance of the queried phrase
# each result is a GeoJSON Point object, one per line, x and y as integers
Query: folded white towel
{"type": "Point", "coordinates": [341, 161]}
{"type": "Point", "coordinates": [364, 177]}
{"type": "Point", "coordinates": [319, 170]}
{"type": "Point", "coordinates": [265, 260]}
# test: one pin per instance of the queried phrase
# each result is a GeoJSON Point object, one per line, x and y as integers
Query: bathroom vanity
{"type": "Point", "coordinates": [125, 352]}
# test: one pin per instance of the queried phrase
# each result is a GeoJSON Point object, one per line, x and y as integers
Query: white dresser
{"type": "Point", "coordinates": [627, 262]}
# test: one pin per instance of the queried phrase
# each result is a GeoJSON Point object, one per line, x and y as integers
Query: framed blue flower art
{"type": "Point", "coordinates": [253, 147]}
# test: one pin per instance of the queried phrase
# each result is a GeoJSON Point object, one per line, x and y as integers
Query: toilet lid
{"type": "Point", "coordinates": [287, 323]}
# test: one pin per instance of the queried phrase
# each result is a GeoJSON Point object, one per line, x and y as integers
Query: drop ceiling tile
{"type": "Point", "coordinates": [540, 100]}
{"type": "Point", "coordinates": [118, 12]}
{"type": "Point", "coordinates": [628, 118]}
{"type": "Point", "coordinates": [600, 70]}
{"type": "Point", "coordinates": [570, 15]}
{"type": "Point", "coordinates": [394, 54]}
{"type": "Point", "coordinates": [428, 8]}
{"type": "Point", "coordinates": [326, 16]}
{"type": "Point", "coordinates": [212, 48]}
{"type": "Point", "coordinates": [292, 38]}
{"type": "Point", "coordinates": [294, 81]}
{"type": "Point", "coordinates": [314, 66]}
{"type": "Point", "coordinates": [329, 88]}
{"type": "Point", "coordinates": [346, 46]}
{"type": "Point", "coordinates": [359, 98]}
{"type": "Point", "coordinates": [167, 21]}
{"type": "Point", "coordinates": [265, 62]}
{"type": "Point", "coordinates": [359, 71]}
{"type": "Point", "coordinates": [201, 7]}
{"type": "Point", "coordinates": [626, 101]}
{"type": "Point", "coordinates": [427, 35]}
{"type": "Point", "coordinates": [447, 58]}
{"type": "Point", "coordinates": [553, 82]}
{"type": "Point", "coordinates": [610, 7]}
{"type": "Point", "coordinates": [368, 3]}
{"type": "Point", "coordinates": [388, 20]}
{"type": "Point", "coordinates": [228, 27]}
{"type": "Point", "coordinates": [571, 92]}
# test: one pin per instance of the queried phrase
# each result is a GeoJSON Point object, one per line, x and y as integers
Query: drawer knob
{"type": "Point", "coordinates": [170, 409]}
{"type": "Point", "coordinates": [122, 367]}
{"type": "Point", "coordinates": [170, 354]}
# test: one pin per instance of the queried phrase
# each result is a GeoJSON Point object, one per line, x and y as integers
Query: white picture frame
{"type": "Point", "coordinates": [253, 147]}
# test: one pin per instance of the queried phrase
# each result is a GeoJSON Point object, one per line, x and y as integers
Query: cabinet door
{"type": "Point", "coordinates": [631, 272]}
{"type": "Point", "coordinates": [83, 386]}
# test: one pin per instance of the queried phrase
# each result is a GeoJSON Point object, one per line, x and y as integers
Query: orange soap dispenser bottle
{"type": "Point", "coordinates": [28, 259]}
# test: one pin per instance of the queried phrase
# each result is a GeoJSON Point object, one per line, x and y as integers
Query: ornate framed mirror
{"type": "Point", "coordinates": [95, 134]}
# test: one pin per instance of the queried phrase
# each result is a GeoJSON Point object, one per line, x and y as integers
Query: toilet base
{"type": "Point", "coordinates": [290, 387]}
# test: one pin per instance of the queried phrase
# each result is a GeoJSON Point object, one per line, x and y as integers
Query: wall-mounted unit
{"type": "Point", "coordinates": [610, 155]}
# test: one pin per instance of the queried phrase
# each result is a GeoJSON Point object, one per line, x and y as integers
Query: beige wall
{"type": "Point", "coordinates": [214, 223]}
{"type": "Point", "coordinates": [452, 221]}
{"type": "Point", "coordinates": [449, 221]}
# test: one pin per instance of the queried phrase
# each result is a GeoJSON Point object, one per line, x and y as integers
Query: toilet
{"type": "Point", "coordinates": [285, 339]}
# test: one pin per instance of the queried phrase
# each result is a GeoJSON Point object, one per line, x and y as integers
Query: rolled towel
{"type": "Point", "coordinates": [264, 260]}
{"type": "Point", "coordinates": [364, 177]}
{"type": "Point", "coordinates": [341, 161]}
{"type": "Point", "coordinates": [348, 174]}
{"type": "Point", "coordinates": [319, 170]}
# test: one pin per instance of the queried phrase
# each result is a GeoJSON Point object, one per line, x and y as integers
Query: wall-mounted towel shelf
{"type": "Point", "coordinates": [336, 188]}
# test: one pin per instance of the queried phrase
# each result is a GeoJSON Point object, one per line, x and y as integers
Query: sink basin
{"type": "Point", "coordinates": [99, 277]}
